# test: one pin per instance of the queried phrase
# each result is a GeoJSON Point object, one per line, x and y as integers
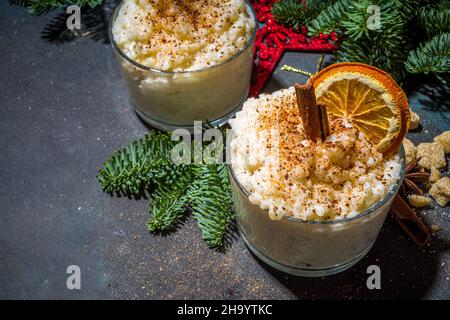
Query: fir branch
{"type": "Point", "coordinates": [210, 202]}
{"type": "Point", "coordinates": [20, 3]}
{"type": "Point", "coordinates": [386, 48]}
{"type": "Point", "coordinates": [202, 188]}
{"type": "Point", "coordinates": [355, 23]}
{"type": "Point", "coordinates": [329, 19]}
{"type": "Point", "coordinates": [295, 13]}
{"type": "Point", "coordinates": [291, 13]}
{"type": "Point", "coordinates": [140, 165]}
{"type": "Point", "coordinates": [432, 56]}
{"type": "Point", "coordinates": [94, 25]}
{"type": "Point", "coordinates": [169, 203]}
{"type": "Point", "coordinates": [435, 20]}
{"type": "Point", "coordinates": [407, 8]}
{"type": "Point", "coordinates": [39, 7]}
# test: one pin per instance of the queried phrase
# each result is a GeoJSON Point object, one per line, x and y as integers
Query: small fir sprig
{"type": "Point", "coordinates": [295, 13]}
{"type": "Point", "coordinates": [39, 7]}
{"type": "Point", "coordinates": [209, 198]}
{"type": "Point", "coordinates": [329, 18]}
{"type": "Point", "coordinates": [431, 57]}
{"type": "Point", "coordinates": [142, 164]}
{"type": "Point", "coordinates": [176, 189]}
{"type": "Point", "coordinates": [169, 203]}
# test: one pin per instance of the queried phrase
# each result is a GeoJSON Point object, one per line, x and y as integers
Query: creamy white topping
{"type": "Point", "coordinates": [291, 176]}
{"type": "Point", "coordinates": [182, 35]}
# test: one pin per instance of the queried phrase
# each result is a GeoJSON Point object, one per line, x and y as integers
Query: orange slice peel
{"type": "Point", "coordinates": [368, 98]}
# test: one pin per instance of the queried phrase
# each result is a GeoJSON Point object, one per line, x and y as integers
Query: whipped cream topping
{"type": "Point", "coordinates": [182, 35]}
{"type": "Point", "coordinates": [291, 176]}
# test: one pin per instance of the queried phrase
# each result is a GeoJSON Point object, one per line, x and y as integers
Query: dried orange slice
{"type": "Point", "coordinates": [367, 97]}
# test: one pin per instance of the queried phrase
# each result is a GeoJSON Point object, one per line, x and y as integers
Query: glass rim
{"type": "Point", "coordinates": [389, 195]}
{"type": "Point", "coordinates": [249, 42]}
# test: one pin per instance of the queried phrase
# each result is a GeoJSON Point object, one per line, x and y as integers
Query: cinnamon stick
{"type": "Point", "coordinates": [324, 124]}
{"type": "Point", "coordinates": [410, 222]}
{"type": "Point", "coordinates": [314, 116]}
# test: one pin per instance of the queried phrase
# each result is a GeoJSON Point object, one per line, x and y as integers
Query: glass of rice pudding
{"type": "Point", "coordinates": [185, 61]}
{"type": "Point", "coordinates": [307, 208]}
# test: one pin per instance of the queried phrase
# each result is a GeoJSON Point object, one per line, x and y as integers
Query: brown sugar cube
{"type": "Point", "coordinates": [436, 228]}
{"type": "Point", "coordinates": [435, 175]}
{"type": "Point", "coordinates": [418, 201]}
{"type": "Point", "coordinates": [444, 139]}
{"type": "Point", "coordinates": [415, 121]}
{"type": "Point", "coordinates": [410, 150]}
{"type": "Point", "coordinates": [431, 155]}
{"type": "Point", "coordinates": [440, 191]}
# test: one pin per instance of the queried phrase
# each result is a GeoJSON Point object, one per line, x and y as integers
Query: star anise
{"type": "Point", "coordinates": [406, 216]}
{"type": "Point", "coordinates": [413, 175]}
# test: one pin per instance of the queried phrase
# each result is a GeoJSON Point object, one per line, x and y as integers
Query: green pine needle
{"type": "Point", "coordinates": [329, 19]}
{"type": "Point", "coordinates": [166, 208]}
{"type": "Point", "coordinates": [141, 165]}
{"type": "Point", "coordinates": [431, 57]}
{"type": "Point", "coordinates": [169, 203]}
{"type": "Point", "coordinates": [385, 50]}
{"type": "Point", "coordinates": [210, 202]}
{"type": "Point", "coordinates": [295, 13]}
{"type": "Point", "coordinates": [289, 12]}
{"type": "Point", "coordinates": [435, 18]}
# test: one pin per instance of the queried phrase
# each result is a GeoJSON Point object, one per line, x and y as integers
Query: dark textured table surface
{"type": "Point", "coordinates": [64, 109]}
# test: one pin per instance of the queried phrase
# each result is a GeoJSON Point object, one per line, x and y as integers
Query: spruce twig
{"type": "Point", "coordinates": [176, 190]}
{"type": "Point", "coordinates": [211, 207]}
{"type": "Point", "coordinates": [39, 7]}
{"type": "Point", "coordinates": [397, 45]}
{"type": "Point", "coordinates": [431, 57]}
{"type": "Point", "coordinates": [142, 164]}
{"type": "Point", "coordinates": [169, 204]}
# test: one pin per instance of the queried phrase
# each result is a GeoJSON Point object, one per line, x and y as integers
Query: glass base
{"type": "Point", "coordinates": [306, 272]}
{"type": "Point", "coordinates": [161, 125]}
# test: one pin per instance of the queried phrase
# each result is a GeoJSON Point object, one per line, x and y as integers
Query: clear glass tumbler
{"type": "Point", "coordinates": [310, 248]}
{"type": "Point", "coordinates": [171, 100]}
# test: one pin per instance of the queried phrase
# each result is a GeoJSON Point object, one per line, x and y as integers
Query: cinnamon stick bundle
{"type": "Point", "coordinates": [314, 115]}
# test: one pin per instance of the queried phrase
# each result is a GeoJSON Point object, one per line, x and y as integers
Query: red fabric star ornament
{"type": "Point", "coordinates": [272, 40]}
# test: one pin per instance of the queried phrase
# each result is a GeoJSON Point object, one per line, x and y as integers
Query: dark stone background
{"type": "Point", "coordinates": [63, 110]}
